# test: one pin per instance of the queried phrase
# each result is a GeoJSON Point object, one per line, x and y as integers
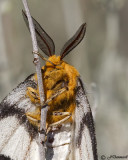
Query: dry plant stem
{"type": "Point", "coordinates": [40, 82]}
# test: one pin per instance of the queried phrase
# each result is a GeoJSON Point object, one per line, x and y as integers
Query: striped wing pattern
{"type": "Point", "coordinates": [17, 135]}
{"type": "Point", "coordinates": [18, 138]}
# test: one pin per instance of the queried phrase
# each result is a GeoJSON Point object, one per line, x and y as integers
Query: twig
{"type": "Point", "coordinates": [40, 82]}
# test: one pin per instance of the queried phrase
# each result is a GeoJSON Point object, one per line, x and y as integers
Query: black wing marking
{"type": "Point", "coordinates": [16, 104]}
{"type": "Point", "coordinates": [74, 41]}
{"type": "Point", "coordinates": [44, 41]}
{"type": "Point", "coordinates": [84, 140]}
{"type": "Point", "coordinates": [2, 157]}
{"type": "Point", "coordinates": [18, 137]}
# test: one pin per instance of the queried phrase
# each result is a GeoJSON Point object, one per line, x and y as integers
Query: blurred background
{"type": "Point", "coordinates": [101, 58]}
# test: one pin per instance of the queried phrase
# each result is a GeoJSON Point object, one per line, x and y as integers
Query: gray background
{"type": "Point", "coordinates": [101, 58]}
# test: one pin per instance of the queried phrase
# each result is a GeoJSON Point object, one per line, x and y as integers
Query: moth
{"type": "Point", "coordinates": [70, 126]}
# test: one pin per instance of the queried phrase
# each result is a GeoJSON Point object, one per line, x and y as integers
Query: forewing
{"type": "Point", "coordinates": [17, 135]}
{"type": "Point", "coordinates": [84, 140]}
{"type": "Point", "coordinates": [44, 41]}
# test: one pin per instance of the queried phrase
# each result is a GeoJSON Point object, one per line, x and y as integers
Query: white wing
{"type": "Point", "coordinates": [17, 135]}
{"type": "Point", "coordinates": [83, 134]}
{"type": "Point", "coordinates": [58, 143]}
{"type": "Point", "coordinates": [18, 138]}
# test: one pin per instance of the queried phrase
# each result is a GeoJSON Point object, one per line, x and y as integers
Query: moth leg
{"type": "Point", "coordinates": [67, 114]}
{"type": "Point", "coordinates": [54, 96]}
{"type": "Point", "coordinates": [34, 117]}
{"type": "Point", "coordinates": [33, 95]}
{"type": "Point", "coordinates": [57, 113]}
{"type": "Point", "coordinates": [53, 146]}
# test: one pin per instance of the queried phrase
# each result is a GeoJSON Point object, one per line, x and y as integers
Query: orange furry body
{"type": "Point", "coordinates": [62, 75]}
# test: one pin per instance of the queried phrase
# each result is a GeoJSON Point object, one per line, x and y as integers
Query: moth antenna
{"type": "Point", "coordinates": [44, 41]}
{"type": "Point", "coordinates": [74, 41]}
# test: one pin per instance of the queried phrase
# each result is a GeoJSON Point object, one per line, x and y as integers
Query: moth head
{"type": "Point", "coordinates": [47, 45]}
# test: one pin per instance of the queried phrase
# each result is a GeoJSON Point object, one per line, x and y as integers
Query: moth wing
{"type": "Point", "coordinates": [58, 143]}
{"type": "Point", "coordinates": [17, 135]}
{"type": "Point", "coordinates": [83, 139]}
